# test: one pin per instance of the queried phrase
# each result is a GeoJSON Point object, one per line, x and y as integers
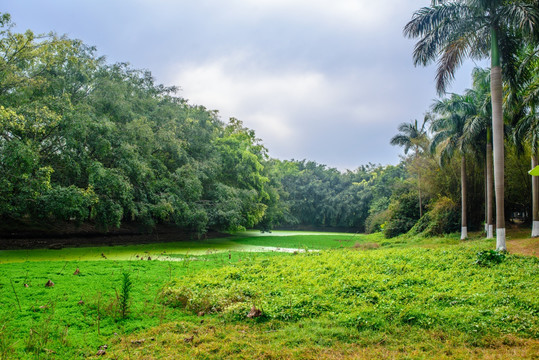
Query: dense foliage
{"type": "Point", "coordinates": [321, 197]}
{"type": "Point", "coordinates": [86, 141]}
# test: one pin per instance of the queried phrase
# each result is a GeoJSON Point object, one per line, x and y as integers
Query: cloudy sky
{"type": "Point", "coordinates": [324, 80]}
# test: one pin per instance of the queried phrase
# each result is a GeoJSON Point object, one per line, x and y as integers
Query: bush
{"type": "Point", "coordinates": [374, 221]}
{"type": "Point", "coordinates": [489, 257]}
{"type": "Point", "coordinates": [442, 218]}
{"type": "Point", "coordinates": [403, 214]}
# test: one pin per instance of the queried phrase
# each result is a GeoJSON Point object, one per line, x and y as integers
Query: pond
{"type": "Point", "coordinates": [247, 241]}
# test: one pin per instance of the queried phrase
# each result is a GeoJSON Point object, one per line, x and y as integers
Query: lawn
{"type": "Point", "coordinates": [359, 297]}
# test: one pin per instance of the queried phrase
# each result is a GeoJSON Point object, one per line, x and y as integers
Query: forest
{"type": "Point", "coordinates": [89, 144]}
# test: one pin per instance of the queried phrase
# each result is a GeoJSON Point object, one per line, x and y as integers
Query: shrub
{"type": "Point", "coordinates": [489, 257]}
{"type": "Point", "coordinates": [375, 221]}
{"type": "Point", "coordinates": [442, 218]}
{"type": "Point", "coordinates": [403, 214]}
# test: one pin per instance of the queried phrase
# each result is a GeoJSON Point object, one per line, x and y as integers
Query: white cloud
{"type": "Point", "coordinates": [292, 109]}
{"type": "Point", "coordinates": [266, 100]}
{"type": "Point", "coordinates": [361, 14]}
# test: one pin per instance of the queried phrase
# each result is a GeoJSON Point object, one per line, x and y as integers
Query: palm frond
{"type": "Point", "coordinates": [521, 16]}
{"type": "Point", "coordinates": [401, 140]}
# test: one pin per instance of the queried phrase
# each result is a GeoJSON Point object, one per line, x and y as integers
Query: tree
{"type": "Point", "coordinates": [479, 127]}
{"type": "Point", "coordinates": [523, 102]}
{"type": "Point", "coordinates": [412, 136]}
{"type": "Point", "coordinates": [452, 30]}
{"type": "Point", "coordinates": [451, 115]}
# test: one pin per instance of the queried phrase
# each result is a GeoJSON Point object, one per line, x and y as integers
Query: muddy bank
{"type": "Point", "coordinates": [57, 236]}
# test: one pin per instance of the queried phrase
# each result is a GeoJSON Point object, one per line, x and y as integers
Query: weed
{"type": "Point", "coordinates": [127, 286]}
{"type": "Point", "coordinates": [489, 257]}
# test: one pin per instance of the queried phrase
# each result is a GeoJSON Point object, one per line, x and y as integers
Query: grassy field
{"type": "Point", "coordinates": [360, 297]}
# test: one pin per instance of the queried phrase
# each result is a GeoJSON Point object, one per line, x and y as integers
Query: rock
{"type": "Point", "coordinates": [189, 339]}
{"type": "Point", "coordinates": [49, 284]}
{"type": "Point", "coordinates": [254, 313]}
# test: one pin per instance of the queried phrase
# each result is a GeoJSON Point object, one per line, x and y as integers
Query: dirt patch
{"type": "Point", "coordinates": [528, 246]}
{"type": "Point", "coordinates": [366, 246]}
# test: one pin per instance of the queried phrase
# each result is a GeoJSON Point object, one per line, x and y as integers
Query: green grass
{"type": "Point", "coordinates": [407, 297]}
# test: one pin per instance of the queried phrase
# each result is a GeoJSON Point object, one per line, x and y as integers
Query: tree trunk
{"type": "Point", "coordinates": [490, 198]}
{"type": "Point", "coordinates": [535, 200]}
{"type": "Point", "coordinates": [419, 182]}
{"type": "Point", "coordinates": [497, 140]}
{"type": "Point", "coordinates": [419, 190]}
{"type": "Point", "coordinates": [464, 232]}
{"type": "Point", "coordinates": [486, 197]}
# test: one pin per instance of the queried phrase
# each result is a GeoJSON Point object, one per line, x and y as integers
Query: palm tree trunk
{"type": "Point", "coordinates": [497, 140]}
{"type": "Point", "coordinates": [486, 201]}
{"type": "Point", "coordinates": [464, 231]}
{"type": "Point", "coordinates": [535, 200]}
{"type": "Point", "coordinates": [419, 190]}
{"type": "Point", "coordinates": [419, 182]}
{"type": "Point", "coordinates": [490, 198]}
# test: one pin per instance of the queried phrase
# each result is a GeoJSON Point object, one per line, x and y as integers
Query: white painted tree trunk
{"type": "Point", "coordinates": [464, 231]}
{"type": "Point", "coordinates": [490, 231]}
{"type": "Point", "coordinates": [535, 200]}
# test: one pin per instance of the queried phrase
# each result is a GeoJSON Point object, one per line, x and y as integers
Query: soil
{"type": "Point", "coordinates": [529, 246]}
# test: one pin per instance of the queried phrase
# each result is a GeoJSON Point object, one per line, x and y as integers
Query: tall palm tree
{"type": "Point", "coordinates": [411, 136]}
{"type": "Point", "coordinates": [523, 103]}
{"type": "Point", "coordinates": [453, 30]}
{"type": "Point", "coordinates": [479, 127]}
{"type": "Point", "coordinates": [449, 136]}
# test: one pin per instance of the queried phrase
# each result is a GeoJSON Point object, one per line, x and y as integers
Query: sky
{"type": "Point", "coordinates": [322, 80]}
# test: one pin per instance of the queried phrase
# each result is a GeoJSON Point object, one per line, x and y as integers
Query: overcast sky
{"type": "Point", "coordinates": [323, 80]}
